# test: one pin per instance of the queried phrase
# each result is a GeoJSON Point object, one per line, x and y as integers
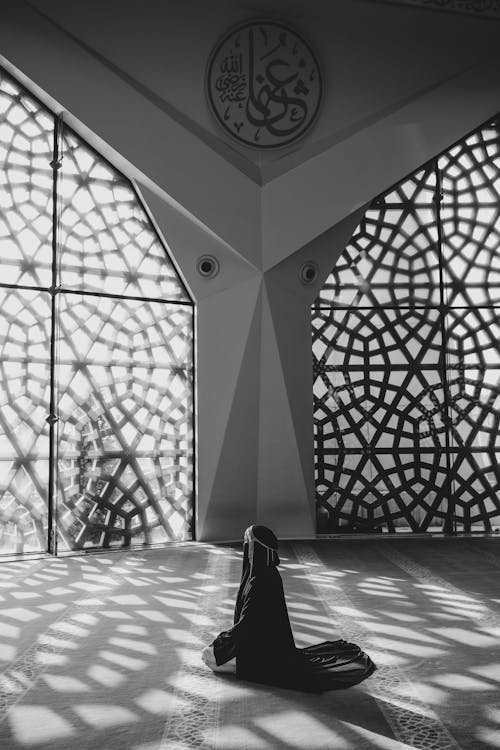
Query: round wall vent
{"type": "Point", "coordinates": [207, 266]}
{"type": "Point", "coordinates": [308, 272]}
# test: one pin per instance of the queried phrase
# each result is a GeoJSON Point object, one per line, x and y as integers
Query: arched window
{"type": "Point", "coordinates": [96, 337]}
{"type": "Point", "coordinates": [406, 348]}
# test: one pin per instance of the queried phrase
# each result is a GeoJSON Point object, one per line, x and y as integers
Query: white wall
{"type": "Point", "coordinates": [401, 84]}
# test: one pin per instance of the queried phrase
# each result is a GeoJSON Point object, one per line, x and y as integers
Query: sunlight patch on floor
{"type": "Point", "coordinates": [298, 729]}
{"type": "Point", "coordinates": [104, 715]}
{"type": "Point", "coordinates": [154, 615]}
{"type": "Point", "coordinates": [233, 736]}
{"type": "Point", "coordinates": [132, 629]}
{"type": "Point", "coordinates": [158, 702]}
{"type": "Point", "coordinates": [141, 647]}
{"type": "Point", "coordinates": [387, 659]}
{"type": "Point", "coordinates": [467, 637]}
{"type": "Point", "coordinates": [20, 614]}
{"type": "Point", "coordinates": [10, 631]}
{"type": "Point", "coordinates": [405, 647]}
{"type": "Point", "coordinates": [64, 684]}
{"type": "Point", "coordinates": [406, 633]}
{"type": "Point", "coordinates": [37, 725]}
{"type": "Point", "coordinates": [428, 693]}
{"type": "Point", "coordinates": [48, 659]}
{"type": "Point", "coordinates": [490, 671]}
{"type": "Point", "coordinates": [127, 599]}
{"type": "Point", "coordinates": [374, 740]}
{"type": "Point", "coordinates": [353, 612]}
{"type": "Point", "coordinates": [123, 660]}
{"type": "Point", "coordinates": [489, 736]}
{"type": "Point", "coordinates": [7, 652]}
{"type": "Point", "coordinates": [105, 675]}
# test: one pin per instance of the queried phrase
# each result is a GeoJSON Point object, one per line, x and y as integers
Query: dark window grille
{"type": "Point", "coordinates": [406, 355]}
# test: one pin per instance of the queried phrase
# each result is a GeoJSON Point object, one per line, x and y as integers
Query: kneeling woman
{"type": "Point", "coordinates": [260, 646]}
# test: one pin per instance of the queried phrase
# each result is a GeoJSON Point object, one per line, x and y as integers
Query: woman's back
{"type": "Point", "coordinates": [267, 647]}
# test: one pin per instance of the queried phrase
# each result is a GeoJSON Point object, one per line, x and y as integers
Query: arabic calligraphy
{"type": "Point", "coordinates": [264, 84]}
{"type": "Point", "coordinates": [231, 84]}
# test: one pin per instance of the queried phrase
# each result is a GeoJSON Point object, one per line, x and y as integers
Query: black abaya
{"type": "Point", "coordinates": [262, 641]}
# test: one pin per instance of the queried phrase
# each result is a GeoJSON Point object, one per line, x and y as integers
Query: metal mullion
{"type": "Point", "coordinates": [108, 295]}
{"type": "Point", "coordinates": [448, 525]}
{"type": "Point", "coordinates": [52, 417]}
{"type": "Point", "coordinates": [194, 425]}
{"type": "Point", "coordinates": [352, 308]}
{"type": "Point", "coordinates": [386, 451]}
{"type": "Point", "coordinates": [24, 287]}
{"type": "Point", "coordinates": [476, 307]}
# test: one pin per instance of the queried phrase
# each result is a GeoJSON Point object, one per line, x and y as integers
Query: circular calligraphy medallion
{"type": "Point", "coordinates": [264, 84]}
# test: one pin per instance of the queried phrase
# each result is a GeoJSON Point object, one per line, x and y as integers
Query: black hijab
{"type": "Point", "coordinates": [260, 552]}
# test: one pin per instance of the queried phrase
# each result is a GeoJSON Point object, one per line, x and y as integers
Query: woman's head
{"type": "Point", "coordinates": [260, 549]}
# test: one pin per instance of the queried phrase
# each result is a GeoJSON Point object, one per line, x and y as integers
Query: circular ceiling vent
{"type": "Point", "coordinates": [308, 272]}
{"type": "Point", "coordinates": [207, 266]}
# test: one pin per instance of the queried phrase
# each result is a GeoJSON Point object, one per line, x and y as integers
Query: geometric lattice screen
{"type": "Point", "coordinates": [406, 354]}
{"type": "Point", "coordinates": [96, 335]}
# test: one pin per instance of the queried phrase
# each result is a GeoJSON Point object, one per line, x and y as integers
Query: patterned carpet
{"type": "Point", "coordinates": [103, 651]}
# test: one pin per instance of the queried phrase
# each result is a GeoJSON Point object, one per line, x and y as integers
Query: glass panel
{"type": "Point", "coordinates": [473, 357]}
{"type": "Point", "coordinates": [385, 428]}
{"type": "Point", "coordinates": [377, 379]}
{"type": "Point", "coordinates": [107, 241]}
{"type": "Point", "coordinates": [475, 476]}
{"type": "Point", "coordinates": [363, 339]}
{"type": "Point", "coordinates": [390, 410]}
{"type": "Point", "coordinates": [26, 133]}
{"type": "Point", "coordinates": [24, 406]}
{"type": "Point", "coordinates": [125, 404]}
{"type": "Point", "coordinates": [419, 189]}
{"type": "Point", "coordinates": [391, 258]}
{"type": "Point", "coordinates": [124, 369]}
{"type": "Point", "coordinates": [470, 215]}
{"type": "Point", "coordinates": [382, 491]}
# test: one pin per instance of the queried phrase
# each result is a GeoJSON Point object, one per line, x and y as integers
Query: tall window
{"type": "Point", "coordinates": [406, 351]}
{"type": "Point", "coordinates": [96, 337]}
